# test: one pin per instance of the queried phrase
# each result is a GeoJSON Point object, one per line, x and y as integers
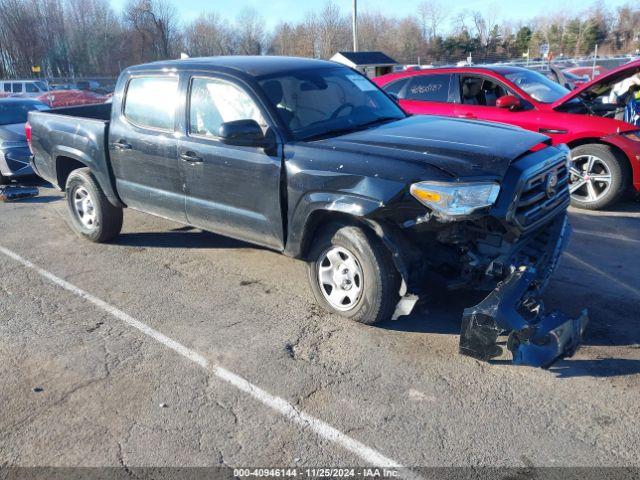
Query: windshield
{"type": "Point", "coordinates": [537, 85]}
{"type": "Point", "coordinates": [42, 86]}
{"type": "Point", "coordinates": [328, 101]}
{"type": "Point", "coordinates": [16, 112]}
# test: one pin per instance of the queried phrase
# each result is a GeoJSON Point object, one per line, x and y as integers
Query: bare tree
{"type": "Point", "coordinates": [155, 28]}
{"type": "Point", "coordinates": [431, 14]}
{"type": "Point", "coordinates": [250, 32]}
{"type": "Point", "coordinates": [209, 35]}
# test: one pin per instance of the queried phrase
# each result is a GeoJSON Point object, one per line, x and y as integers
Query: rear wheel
{"type": "Point", "coordinates": [598, 176]}
{"type": "Point", "coordinates": [352, 274]}
{"type": "Point", "coordinates": [91, 214]}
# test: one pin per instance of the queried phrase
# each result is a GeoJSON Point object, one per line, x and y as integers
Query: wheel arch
{"type": "Point", "coordinates": [69, 159]}
{"type": "Point", "coordinates": [392, 239]}
{"type": "Point", "coordinates": [578, 142]}
{"type": "Point", "coordinates": [64, 166]}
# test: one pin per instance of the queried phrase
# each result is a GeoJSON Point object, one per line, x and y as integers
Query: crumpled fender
{"type": "Point", "coordinates": [314, 202]}
{"type": "Point", "coordinates": [357, 206]}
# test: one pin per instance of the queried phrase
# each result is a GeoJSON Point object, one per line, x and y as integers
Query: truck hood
{"type": "Point", "coordinates": [461, 148]}
{"type": "Point", "coordinates": [601, 83]}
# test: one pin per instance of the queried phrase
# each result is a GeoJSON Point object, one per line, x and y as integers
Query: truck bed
{"type": "Point", "coordinates": [72, 134]}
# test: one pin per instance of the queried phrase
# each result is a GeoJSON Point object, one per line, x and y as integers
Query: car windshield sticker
{"type": "Point", "coordinates": [362, 83]}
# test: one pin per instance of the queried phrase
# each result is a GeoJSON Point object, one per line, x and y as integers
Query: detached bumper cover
{"type": "Point", "coordinates": [536, 339]}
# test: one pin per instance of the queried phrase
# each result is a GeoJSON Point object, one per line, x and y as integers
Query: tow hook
{"type": "Point", "coordinates": [535, 338]}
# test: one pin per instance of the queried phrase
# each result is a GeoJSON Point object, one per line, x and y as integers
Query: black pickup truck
{"type": "Point", "coordinates": [311, 159]}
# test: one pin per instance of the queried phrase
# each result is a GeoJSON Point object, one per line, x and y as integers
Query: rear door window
{"type": "Point", "coordinates": [428, 88]}
{"type": "Point", "coordinates": [151, 102]}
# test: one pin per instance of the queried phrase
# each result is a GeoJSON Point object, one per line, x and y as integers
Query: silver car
{"type": "Point", "coordinates": [14, 150]}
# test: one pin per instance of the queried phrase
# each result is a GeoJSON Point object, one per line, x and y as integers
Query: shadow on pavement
{"type": "Point", "coordinates": [601, 367]}
{"type": "Point", "coordinates": [183, 237]}
{"type": "Point", "coordinates": [40, 199]}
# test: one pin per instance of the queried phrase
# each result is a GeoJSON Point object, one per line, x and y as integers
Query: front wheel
{"type": "Point", "coordinates": [91, 214]}
{"type": "Point", "coordinates": [352, 274]}
{"type": "Point", "coordinates": [597, 177]}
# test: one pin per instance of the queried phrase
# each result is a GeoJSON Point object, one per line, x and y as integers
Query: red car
{"type": "Point", "coordinates": [605, 149]}
{"type": "Point", "coordinates": [589, 72]}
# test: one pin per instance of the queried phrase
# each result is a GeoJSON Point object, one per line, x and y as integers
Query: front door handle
{"type": "Point", "coordinates": [467, 115]}
{"type": "Point", "coordinates": [121, 145]}
{"type": "Point", "coordinates": [191, 157]}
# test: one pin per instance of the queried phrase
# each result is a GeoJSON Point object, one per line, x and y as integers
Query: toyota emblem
{"type": "Point", "coordinates": [550, 184]}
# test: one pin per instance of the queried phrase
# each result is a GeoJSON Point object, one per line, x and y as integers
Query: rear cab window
{"type": "Point", "coordinates": [151, 101]}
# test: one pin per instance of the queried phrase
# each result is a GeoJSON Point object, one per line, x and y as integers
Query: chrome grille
{"type": "Point", "coordinates": [538, 198]}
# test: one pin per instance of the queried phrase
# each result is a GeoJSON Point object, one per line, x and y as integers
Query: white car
{"type": "Point", "coordinates": [23, 88]}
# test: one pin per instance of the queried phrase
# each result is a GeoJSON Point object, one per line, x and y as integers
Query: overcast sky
{"type": "Point", "coordinates": [275, 11]}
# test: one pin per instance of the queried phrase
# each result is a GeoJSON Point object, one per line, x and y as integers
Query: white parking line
{"type": "Point", "coordinates": [609, 236]}
{"type": "Point", "coordinates": [278, 404]}
{"type": "Point", "coordinates": [613, 279]}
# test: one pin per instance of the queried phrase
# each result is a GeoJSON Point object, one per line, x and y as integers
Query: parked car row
{"type": "Point", "coordinates": [605, 149]}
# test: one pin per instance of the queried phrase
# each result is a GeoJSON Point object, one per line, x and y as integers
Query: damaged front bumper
{"type": "Point", "coordinates": [535, 338]}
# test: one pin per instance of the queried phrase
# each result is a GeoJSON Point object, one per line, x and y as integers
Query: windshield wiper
{"type": "Point", "coordinates": [378, 121]}
{"type": "Point", "coordinates": [330, 133]}
{"type": "Point", "coordinates": [343, 131]}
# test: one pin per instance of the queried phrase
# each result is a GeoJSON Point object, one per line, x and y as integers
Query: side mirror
{"type": "Point", "coordinates": [508, 101]}
{"type": "Point", "coordinates": [244, 133]}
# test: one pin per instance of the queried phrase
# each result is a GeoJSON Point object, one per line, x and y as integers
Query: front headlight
{"type": "Point", "coordinates": [455, 199]}
{"type": "Point", "coordinates": [635, 135]}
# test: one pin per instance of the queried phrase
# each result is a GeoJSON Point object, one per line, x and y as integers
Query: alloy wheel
{"type": "Point", "coordinates": [590, 178]}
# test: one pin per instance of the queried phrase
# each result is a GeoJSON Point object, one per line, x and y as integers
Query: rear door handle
{"type": "Point", "coordinates": [191, 157]}
{"type": "Point", "coordinates": [121, 145]}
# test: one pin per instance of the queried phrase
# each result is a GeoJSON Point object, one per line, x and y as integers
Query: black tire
{"type": "Point", "coordinates": [379, 293]}
{"type": "Point", "coordinates": [617, 167]}
{"type": "Point", "coordinates": [107, 218]}
{"type": "Point", "coordinates": [4, 180]}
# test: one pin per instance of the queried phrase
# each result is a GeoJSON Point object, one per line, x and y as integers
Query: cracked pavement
{"type": "Point", "coordinates": [114, 397]}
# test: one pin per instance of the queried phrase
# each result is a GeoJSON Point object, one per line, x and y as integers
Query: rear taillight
{"type": "Point", "coordinates": [27, 132]}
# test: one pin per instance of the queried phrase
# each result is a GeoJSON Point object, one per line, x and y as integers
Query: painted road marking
{"type": "Point", "coordinates": [629, 288]}
{"type": "Point", "coordinates": [609, 236]}
{"type": "Point", "coordinates": [295, 415]}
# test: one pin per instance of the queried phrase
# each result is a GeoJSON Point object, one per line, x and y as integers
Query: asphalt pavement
{"type": "Point", "coordinates": [176, 347]}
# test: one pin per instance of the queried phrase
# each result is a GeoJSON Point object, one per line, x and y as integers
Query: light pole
{"type": "Point", "coordinates": [355, 25]}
